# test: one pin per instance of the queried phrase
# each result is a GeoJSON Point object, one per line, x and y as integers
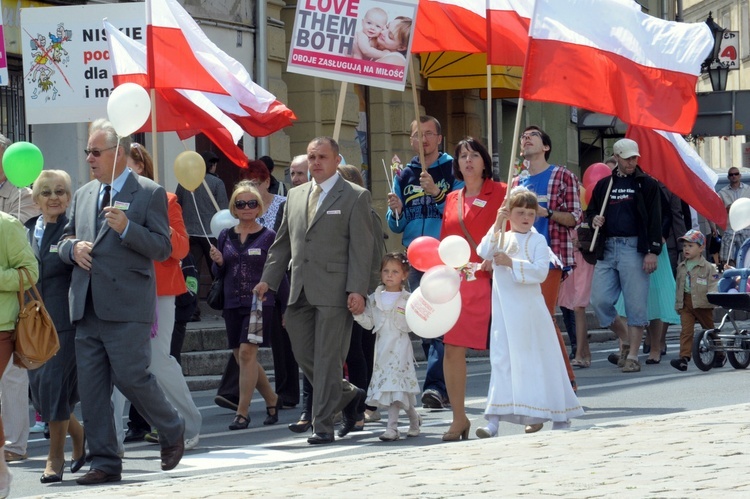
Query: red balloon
{"type": "Point", "coordinates": [594, 174]}
{"type": "Point", "coordinates": [423, 253]}
{"type": "Point", "coordinates": [589, 192]}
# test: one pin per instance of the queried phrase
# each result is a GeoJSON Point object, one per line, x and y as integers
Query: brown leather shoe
{"type": "Point", "coordinates": [95, 477]}
{"type": "Point", "coordinates": [170, 456]}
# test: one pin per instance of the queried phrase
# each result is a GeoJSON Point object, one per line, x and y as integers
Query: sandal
{"type": "Point", "coordinates": [240, 422]}
{"type": "Point", "coordinates": [582, 364]}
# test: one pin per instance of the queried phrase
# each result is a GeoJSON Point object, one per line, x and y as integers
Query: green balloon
{"type": "Point", "coordinates": [22, 162]}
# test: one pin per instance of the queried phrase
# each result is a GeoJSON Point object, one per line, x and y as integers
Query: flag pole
{"type": "Point", "coordinates": [601, 214]}
{"type": "Point", "coordinates": [340, 111]}
{"type": "Point", "coordinates": [489, 111]}
{"type": "Point", "coordinates": [415, 98]}
{"type": "Point", "coordinates": [154, 146]}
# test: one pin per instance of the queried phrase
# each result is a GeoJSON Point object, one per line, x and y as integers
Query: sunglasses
{"type": "Point", "coordinates": [733, 175]}
{"type": "Point", "coordinates": [57, 192]}
{"type": "Point", "coordinates": [241, 205]}
{"type": "Point", "coordinates": [97, 152]}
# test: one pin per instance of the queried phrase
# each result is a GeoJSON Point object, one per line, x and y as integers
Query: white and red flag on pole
{"type": "Point", "coordinates": [668, 157]}
{"type": "Point", "coordinates": [610, 57]}
{"type": "Point", "coordinates": [499, 28]}
{"type": "Point", "coordinates": [186, 112]}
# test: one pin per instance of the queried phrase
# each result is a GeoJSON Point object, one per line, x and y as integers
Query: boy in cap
{"type": "Point", "coordinates": [696, 277]}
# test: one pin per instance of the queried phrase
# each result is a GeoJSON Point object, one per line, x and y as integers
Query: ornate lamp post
{"type": "Point", "coordinates": [717, 70]}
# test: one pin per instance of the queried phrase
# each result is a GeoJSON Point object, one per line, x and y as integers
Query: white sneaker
{"type": "Point", "coordinates": [192, 443]}
{"type": "Point", "coordinates": [389, 435]}
{"type": "Point", "coordinates": [5, 487]}
{"type": "Point", "coordinates": [37, 428]}
{"type": "Point", "coordinates": [414, 427]}
{"type": "Point", "coordinates": [485, 432]}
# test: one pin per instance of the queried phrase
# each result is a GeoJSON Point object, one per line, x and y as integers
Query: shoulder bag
{"type": "Point", "coordinates": [35, 335]}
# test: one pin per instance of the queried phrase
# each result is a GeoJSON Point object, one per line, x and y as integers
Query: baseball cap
{"type": "Point", "coordinates": [626, 148]}
{"type": "Point", "coordinates": [694, 236]}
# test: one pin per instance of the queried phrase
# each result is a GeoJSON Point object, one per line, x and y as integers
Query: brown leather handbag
{"type": "Point", "coordinates": [35, 335]}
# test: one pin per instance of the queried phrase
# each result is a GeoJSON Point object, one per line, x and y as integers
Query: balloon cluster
{"type": "Point", "coordinates": [435, 306]}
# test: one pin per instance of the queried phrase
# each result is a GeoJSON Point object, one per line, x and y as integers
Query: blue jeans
{"type": "Point", "coordinates": [434, 350]}
{"type": "Point", "coordinates": [621, 271]}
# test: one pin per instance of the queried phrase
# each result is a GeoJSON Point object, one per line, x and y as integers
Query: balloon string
{"type": "Point", "coordinates": [114, 167]}
{"type": "Point", "coordinates": [19, 203]}
{"type": "Point", "coordinates": [195, 203]}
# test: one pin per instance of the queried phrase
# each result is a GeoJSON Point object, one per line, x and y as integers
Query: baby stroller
{"type": "Point", "coordinates": [715, 344]}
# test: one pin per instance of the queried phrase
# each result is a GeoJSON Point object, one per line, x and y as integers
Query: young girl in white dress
{"type": "Point", "coordinates": [528, 383]}
{"type": "Point", "coordinates": [394, 379]}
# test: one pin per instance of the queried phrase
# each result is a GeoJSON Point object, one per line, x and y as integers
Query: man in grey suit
{"type": "Point", "coordinates": [113, 299]}
{"type": "Point", "coordinates": [327, 235]}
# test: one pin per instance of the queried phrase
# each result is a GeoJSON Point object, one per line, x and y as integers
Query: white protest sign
{"type": "Point", "coordinates": [67, 76]}
{"type": "Point", "coordinates": [357, 41]}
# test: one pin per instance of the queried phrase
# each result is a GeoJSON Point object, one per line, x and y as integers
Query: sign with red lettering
{"type": "Point", "coordinates": [359, 41]}
{"type": "Point", "coordinates": [729, 49]}
{"type": "Point", "coordinates": [66, 59]}
{"type": "Point", "coordinates": [3, 57]}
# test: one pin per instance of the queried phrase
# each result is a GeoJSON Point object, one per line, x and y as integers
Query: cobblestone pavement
{"type": "Point", "coordinates": [688, 454]}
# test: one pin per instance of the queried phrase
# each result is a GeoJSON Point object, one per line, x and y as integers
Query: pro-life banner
{"type": "Point", "coordinates": [67, 76]}
{"type": "Point", "coordinates": [358, 41]}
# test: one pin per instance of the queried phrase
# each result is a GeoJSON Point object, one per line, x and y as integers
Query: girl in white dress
{"type": "Point", "coordinates": [394, 379]}
{"type": "Point", "coordinates": [528, 384]}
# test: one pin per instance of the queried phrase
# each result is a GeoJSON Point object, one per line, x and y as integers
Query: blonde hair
{"type": "Point", "coordinates": [49, 176]}
{"type": "Point", "coordinates": [521, 197]}
{"type": "Point", "coordinates": [241, 188]}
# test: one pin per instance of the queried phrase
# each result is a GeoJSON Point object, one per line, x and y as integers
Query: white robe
{"type": "Point", "coordinates": [394, 377]}
{"type": "Point", "coordinates": [529, 383]}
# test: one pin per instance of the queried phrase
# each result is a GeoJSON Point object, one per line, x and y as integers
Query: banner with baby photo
{"type": "Point", "coordinates": [356, 41]}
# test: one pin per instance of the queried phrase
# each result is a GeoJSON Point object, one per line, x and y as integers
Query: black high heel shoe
{"type": "Point", "coordinates": [77, 464]}
{"type": "Point", "coordinates": [53, 477]}
{"type": "Point", "coordinates": [301, 426]}
{"type": "Point", "coordinates": [273, 418]}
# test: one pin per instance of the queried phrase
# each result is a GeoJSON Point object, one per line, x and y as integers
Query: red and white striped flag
{"type": "Point", "coordinates": [608, 56]}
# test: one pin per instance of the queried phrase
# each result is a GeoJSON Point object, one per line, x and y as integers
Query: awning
{"type": "Point", "coordinates": [461, 71]}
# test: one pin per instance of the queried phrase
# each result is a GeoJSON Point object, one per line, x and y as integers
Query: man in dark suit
{"type": "Point", "coordinates": [113, 298]}
{"type": "Point", "coordinates": [327, 235]}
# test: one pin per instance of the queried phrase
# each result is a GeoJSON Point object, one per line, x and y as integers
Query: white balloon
{"type": "Point", "coordinates": [440, 284]}
{"type": "Point", "coordinates": [223, 219]}
{"type": "Point", "coordinates": [430, 320]}
{"type": "Point", "coordinates": [739, 214]}
{"type": "Point", "coordinates": [454, 251]}
{"type": "Point", "coordinates": [128, 108]}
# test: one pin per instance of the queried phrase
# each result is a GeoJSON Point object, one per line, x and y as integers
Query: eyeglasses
{"type": "Point", "coordinates": [733, 174]}
{"type": "Point", "coordinates": [57, 192]}
{"type": "Point", "coordinates": [97, 152]}
{"type": "Point", "coordinates": [528, 135]}
{"type": "Point", "coordinates": [241, 205]}
{"type": "Point", "coordinates": [426, 135]}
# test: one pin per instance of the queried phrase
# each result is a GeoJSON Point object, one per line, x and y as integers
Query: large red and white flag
{"type": "Point", "coordinates": [499, 28]}
{"type": "Point", "coordinates": [668, 157]}
{"type": "Point", "coordinates": [186, 112]}
{"type": "Point", "coordinates": [608, 56]}
{"type": "Point", "coordinates": [180, 55]}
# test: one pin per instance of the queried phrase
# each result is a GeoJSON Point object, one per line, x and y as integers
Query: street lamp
{"type": "Point", "coordinates": [716, 69]}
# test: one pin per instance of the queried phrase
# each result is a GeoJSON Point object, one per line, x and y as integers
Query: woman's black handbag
{"type": "Point", "coordinates": [215, 297]}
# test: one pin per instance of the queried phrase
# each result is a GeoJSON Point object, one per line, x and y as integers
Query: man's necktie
{"type": "Point", "coordinates": [105, 198]}
{"type": "Point", "coordinates": [312, 204]}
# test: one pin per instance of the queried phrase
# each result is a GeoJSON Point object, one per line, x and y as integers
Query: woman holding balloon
{"type": "Point", "coordinates": [468, 214]}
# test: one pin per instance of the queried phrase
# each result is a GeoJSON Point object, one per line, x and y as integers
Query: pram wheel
{"type": "Point", "coordinates": [740, 358]}
{"type": "Point", "coordinates": [703, 353]}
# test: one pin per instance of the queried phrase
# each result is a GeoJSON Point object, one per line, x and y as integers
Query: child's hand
{"type": "Point", "coordinates": [502, 216]}
{"type": "Point", "coordinates": [502, 258]}
{"type": "Point", "coordinates": [486, 266]}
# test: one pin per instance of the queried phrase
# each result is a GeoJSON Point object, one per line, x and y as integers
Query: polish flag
{"type": "Point", "coordinates": [508, 31]}
{"type": "Point", "coordinates": [181, 56]}
{"type": "Point", "coordinates": [608, 56]}
{"type": "Point", "coordinates": [187, 112]}
{"type": "Point", "coordinates": [668, 157]}
{"type": "Point", "coordinates": [499, 28]}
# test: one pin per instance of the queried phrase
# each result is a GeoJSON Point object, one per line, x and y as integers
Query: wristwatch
{"type": "Point", "coordinates": [549, 213]}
